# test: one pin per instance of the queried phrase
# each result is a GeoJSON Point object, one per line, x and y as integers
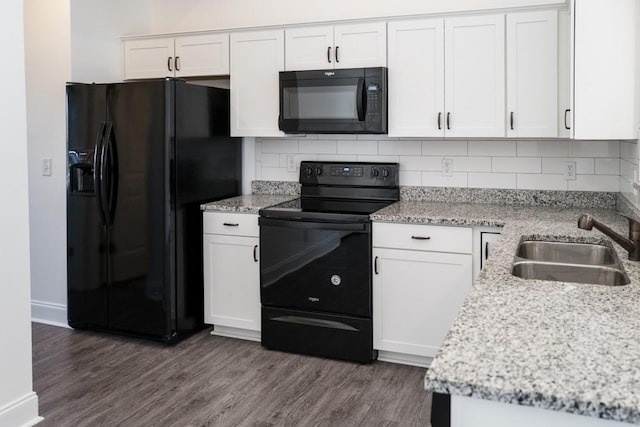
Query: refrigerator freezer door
{"type": "Point", "coordinates": [87, 297]}
{"type": "Point", "coordinates": [140, 292]}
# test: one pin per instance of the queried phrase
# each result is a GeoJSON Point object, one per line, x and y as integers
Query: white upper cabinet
{"type": "Point", "coordinates": [202, 55]}
{"type": "Point", "coordinates": [416, 78]}
{"type": "Point", "coordinates": [339, 46]}
{"type": "Point", "coordinates": [182, 56]}
{"type": "Point", "coordinates": [474, 76]}
{"type": "Point", "coordinates": [447, 78]}
{"type": "Point", "coordinates": [532, 74]}
{"type": "Point", "coordinates": [605, 69]}
{"type": "Point", "coordinates": [148, 58]}
{"type": "Point", "coordinates": [256, 59]}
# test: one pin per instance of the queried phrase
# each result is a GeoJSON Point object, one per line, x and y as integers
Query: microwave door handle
{"type": "Point", "coordinates": [361, 101]}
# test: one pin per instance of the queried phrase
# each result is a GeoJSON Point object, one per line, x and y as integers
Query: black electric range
{"type": "Point", "coordinates": [315, 260]}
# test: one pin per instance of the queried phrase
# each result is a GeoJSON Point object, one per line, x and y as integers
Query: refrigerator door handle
{"type": "Point", "coordinates": [111, 174]}
{"type": "Point", "coordinates": [98, 166]}
{"type": "Point", "coordinates": [102, 184]}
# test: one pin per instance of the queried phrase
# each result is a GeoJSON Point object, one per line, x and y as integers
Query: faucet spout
{"type": "Point", "coordinates": [631, 244]}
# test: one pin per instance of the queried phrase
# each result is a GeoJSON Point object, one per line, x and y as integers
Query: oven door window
{"type": "Point", "coordinates": [316, 266]}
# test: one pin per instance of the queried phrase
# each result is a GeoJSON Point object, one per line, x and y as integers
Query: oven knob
{"type": "Point", "coordinates": [375, 172]}
{"type": "Point", "coordinates": [318, 171]}
{"type": "Point", "coordinates": [336, 280]}
{"type": "Point", "coordinates": [308, 171]}
{"type": "Point", "coordinates": [385, 173]}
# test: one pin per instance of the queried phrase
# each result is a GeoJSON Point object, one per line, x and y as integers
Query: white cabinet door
{"type": "Point", "coordinates": [474, 76]}
{"type": "Point", "coordinates": [202, 55]}
{"type": "Point", "coordinates": [149, 58]}
{"type": "Point", "coordinates": [416, 78]}
{"type": "Point", "coordinates": [256, 59]}
{"type": "Point", "coordinates": [231, 281]}
{"type": "Point", "coordinates": [605, 45]}
{"type": "Point", "coordinates": [309, 48]}
{"type": "Point", "coordinates": [360, 45]}
{"type": "Point", "coordinates": [416, 298]}
{"type": "Point", "coordinates": [532, 74]}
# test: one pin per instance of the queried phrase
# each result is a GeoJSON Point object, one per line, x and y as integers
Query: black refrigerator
{"type": "Point", "coordinates": [142, 157]}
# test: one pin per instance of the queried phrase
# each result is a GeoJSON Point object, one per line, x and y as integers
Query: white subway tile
{"type": "Point", "coordinates": [607, 166]}
{"type": "Point", "coordinates": [357, 147]}
{"type": "Point", "coordinates": [421, 163]}
{"type": "Point", "coordinates": [594, 149]}
{"type": "Point", "coordinates": [271, 160]}
{"type": "Point", "coordinates": [386, 159]}
{"type": "Point", "coordinates": [410, 178]}
{"type": "Point", "coordinates": [516, 164]}
{"type": "Point", "coordinates": [435, 179]}
{"type": "Point", "coordinates": [317, 146]}
{"type": "Point", "coordinates": [258, 171]}
{"type": "Point", "coordinates": [278, 174]}
{"type": "Point", "coordinates": [337, 158]}
{"type": "Point", "coordinates": [471, 164]}
{"type": "Point", "coordinates": [628, 170]}
{"type": "Point", "coordinates": [584, 166]}
{"type": "Point", "coordinates": [279, 146]}
{"type": "Point", "coordinates": [595, 183]}
{"type": "Point", "coordinates": [444, 148]}
{"type": "Point", "coordinates": [335, 137]}
{"type": "Point", "coordinates": [492, 180]}
{"type": "Point", "coordinates": [526, 181]}
{"type": "Point", "coordinates": [505, 148]}
{"type": "Point", "coordinates": [629, 151]}
{"type": "Point", "coordinates": [401, 148]}
{"type": "Point", "coordinates": [372, 137]}
{"type": "Point", "coordinates": [543, 148]}
{"type": "Point", "coordinates": [297, 158]}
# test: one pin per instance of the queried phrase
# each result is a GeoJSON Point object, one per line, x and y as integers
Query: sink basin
{"type": "Point", "coordinates": [570, 253]}
{"type": "Point", "coordinates": [579, 273]}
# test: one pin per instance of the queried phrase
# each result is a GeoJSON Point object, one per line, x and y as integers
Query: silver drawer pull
{"type": "Point", "coordinates": [421, 237]}
{"type": "Point", "coordinates": [228, 224]}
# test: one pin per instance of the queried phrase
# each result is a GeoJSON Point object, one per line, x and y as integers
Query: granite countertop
{"type": "Point", "coordinates": [554, 345]}
{"type": "Point", "coordinates": [250, 203]}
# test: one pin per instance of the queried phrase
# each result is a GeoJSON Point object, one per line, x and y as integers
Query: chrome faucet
{"type": "Point", "coordinates": [632, 244]}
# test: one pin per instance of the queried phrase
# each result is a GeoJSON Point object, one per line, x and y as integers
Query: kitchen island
{"type": "Point", "coordinates": [566, 348]}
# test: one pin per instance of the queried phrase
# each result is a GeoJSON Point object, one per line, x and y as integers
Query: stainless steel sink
{"type": "Point", "coordinates": [569, 262]}
{"type": "Point", "coordinates": [572, 253]}
{"type": "Point", "coordinates": [579, 273]}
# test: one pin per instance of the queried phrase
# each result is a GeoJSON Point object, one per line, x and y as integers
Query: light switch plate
{"type": "Point", "coordinates": [46, 167]}
{"type": "Point", "coordinates": [292, 166]}
{"type": "Point", "coordinates": [447, 167]}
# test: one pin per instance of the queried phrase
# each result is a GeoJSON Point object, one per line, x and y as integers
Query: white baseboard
{"type": "Point", "coordinates": [21, 412]}
{"type": "Point", "coordinates": [49, 313]}
{"type": "Point", "coordinates": [404, 359]}
{"type": "Point", "coordinates": [243, 334]}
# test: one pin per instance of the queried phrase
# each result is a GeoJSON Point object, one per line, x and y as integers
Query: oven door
{"type": "Point", "coordinates": [316, 266]}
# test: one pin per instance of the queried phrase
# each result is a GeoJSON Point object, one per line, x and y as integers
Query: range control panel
{"type": "Point", "coordinates": [349, 173]}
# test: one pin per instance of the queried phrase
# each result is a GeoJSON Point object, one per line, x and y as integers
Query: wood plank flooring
{"type": "Point", "coordinates": [93, 379]}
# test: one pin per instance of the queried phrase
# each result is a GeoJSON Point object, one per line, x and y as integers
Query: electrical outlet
{"type": "Point", "coordinates": [447, 167]}
{"type": "Point", "coordinates": [291, 163]}
{"type": "Point", "coordinates": [570, 171]}
{"type": "Point", "coordinates": [46, 167]}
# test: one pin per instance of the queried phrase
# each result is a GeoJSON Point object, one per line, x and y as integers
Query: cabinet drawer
{"type": "Point", "coordinates": [435, 238]}
{"type": "Point", "coordinates": [234, 224]}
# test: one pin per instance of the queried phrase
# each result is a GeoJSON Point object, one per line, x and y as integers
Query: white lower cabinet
{"type": "Point", "coordinates": [232, 274]}
{"type": "Point", "coordinates": [418, 288]}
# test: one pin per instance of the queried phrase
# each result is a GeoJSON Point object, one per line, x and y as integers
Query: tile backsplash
{"type": "Point", "coordinates": [629, 171]}
{"type": "Point", "coordinates": [505, 163]}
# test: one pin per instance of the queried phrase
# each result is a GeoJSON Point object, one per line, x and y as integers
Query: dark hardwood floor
{"type": "Point", "coordinates": [93, 379]}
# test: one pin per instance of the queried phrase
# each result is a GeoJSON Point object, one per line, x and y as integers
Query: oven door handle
{"type": "Point", "coordinates": [312, 224]}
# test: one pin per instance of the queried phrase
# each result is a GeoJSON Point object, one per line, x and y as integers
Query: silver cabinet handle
{"type": "Point", "coordinates": [229, 224]}
{"type": "Point", "coordinates": [169, 63]}
{"type": "Point", "coordinates": [177, 63]}
{"type": "Point", "coordinates": [421, 237]}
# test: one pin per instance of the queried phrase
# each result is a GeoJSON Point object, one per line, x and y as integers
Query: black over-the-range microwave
{"type": "Point", "coordinates": [334, 101]}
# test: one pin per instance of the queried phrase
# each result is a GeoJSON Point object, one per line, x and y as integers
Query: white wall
{"type": "Point", "coordinates": [515, 164]}
{"type": "Point", "coordinates": [18, 402]}
{"type": "Point", "coordinates": [96, 27]}
{"type": "Point", "coordinates": [66, 40]}
{"type": "Point", "coordinates": [48, 67]}
{"type": "Point", "coordinates": [174, 16]}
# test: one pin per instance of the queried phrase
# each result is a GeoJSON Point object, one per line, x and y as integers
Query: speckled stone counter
{"type": "Point", "coordinates": [553, 345]}
{"type": "Point", "coordinates": [250, 203]}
